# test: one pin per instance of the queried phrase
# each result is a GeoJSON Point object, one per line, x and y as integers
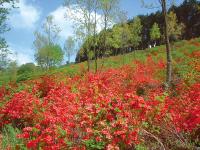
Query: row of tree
{"type": "Point", "coordinates": [128, 36]}
{"type": "Point", "coordinates": [48, 53]}
{"type": "Point", "coordinates": [85, 15]}
{"type": "Point", "coordinates": [146, 30]}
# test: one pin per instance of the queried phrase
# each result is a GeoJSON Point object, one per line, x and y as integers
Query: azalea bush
{"type": "Point", "coordinates": [121, 108]}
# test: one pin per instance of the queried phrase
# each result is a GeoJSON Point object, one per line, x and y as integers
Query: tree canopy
{"type": "Point", "coordinates": [49, 56]}
{"type": "Point", "coordinates": [4, 51]}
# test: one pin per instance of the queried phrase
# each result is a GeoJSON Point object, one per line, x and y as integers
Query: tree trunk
{"type": "Point", "coordinates": [168, 49]}
{"type": "Point", "coordinates": [88, 64]}
{"type": "Point", "coordinates": [95, 49]}
{"type": "Point", "coordinates": [96, 65]}
{"type": "Point", "coordinates": [104, 40]}
{"type": "Point", "coordinates": [68, 58]}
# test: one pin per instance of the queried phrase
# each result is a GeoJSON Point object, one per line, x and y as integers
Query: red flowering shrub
{"type": "Point", "coordinates": [3, 92]}
{"type": "Point", "coordinates": [185, 109]}
{"type": "Point", "coordinates": [106, 110]}
{"type": "Point", "coordinates": [22, 109]}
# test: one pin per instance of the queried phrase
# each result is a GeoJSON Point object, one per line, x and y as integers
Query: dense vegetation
{"type": "Point", "coordinates": [141, 99]}
{"type": "Point", "coordinates": [122, 107]}
{"type": "Point", "coordinates": [186, 15]}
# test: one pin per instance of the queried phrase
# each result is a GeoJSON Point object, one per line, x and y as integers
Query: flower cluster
{"type": "Point", "coordinates": [105, 110]}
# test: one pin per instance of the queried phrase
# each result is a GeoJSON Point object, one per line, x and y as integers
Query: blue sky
{"type": "Point", "coordinates": [31, 14]}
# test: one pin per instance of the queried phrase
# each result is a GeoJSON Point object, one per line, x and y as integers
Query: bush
{"type": "Point", "coordinates": [26, 68]}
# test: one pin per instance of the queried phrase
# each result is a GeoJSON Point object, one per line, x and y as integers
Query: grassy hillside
{"type": "Point", "coordinates": [185, 56]}
{"type": "Point", "coordinates": [122, 106]}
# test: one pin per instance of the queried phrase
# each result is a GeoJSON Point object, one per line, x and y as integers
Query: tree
{"type": "Point", "coordinates": [163, 4]}
{"type": "Point", "coordinates": [175, 29]}
{"type": "Point", "coordinates": [52, 30]}
{"type": "Point", "coordinates": [135, 29]}
{"type": "Point", "coordinates": [95, 38]}
{"type": "Point", "coordinates": [49, 56]}
{"type": "Point", "coordinates": [12, 70]}
{"type": "Point", "coordinates": [155, 32]}
{"type": "Point", "coordinates": [48, 53]}
{"type": "Point", "coordinates": [4, 52]}
{"type": "Point", "coordinates": [26, 68]}
{"type": "Point", "coordinates": [109, 9]}
{"type": "Point", "coordinates": [125, 33]}
{"type": "Point", "coordinates": [189, 13]}
{"type": "Point", "coordinates": [69, 47]}
{"type": "Point", "coordinates": [167, 43]}
{"type": "Point", "coordinates": [84, 21]}
{"type": "Point", "coordinates": [49, 36]}
{"type": "Point", "coordinates": [119, 38]}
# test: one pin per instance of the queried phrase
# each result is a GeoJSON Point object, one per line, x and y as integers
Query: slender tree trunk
{"type": "Point", "coordinates": [68, 58]}
{"type": "Point", "coordinates": [88, 64]}
{"type": "Point", "coordinates": [95, 50]}
{"type": "Point", "coordinates": [89, 34]}
{"type": "Point", "coordinates": [105, 36]}
{"type": "Point", "coordinates": [168, 49]}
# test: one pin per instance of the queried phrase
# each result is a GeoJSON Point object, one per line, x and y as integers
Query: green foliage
{"type": "Point", "coordinates": [175, 29]}
{"type": "Point", "coordinates": [69, 47]}
{"type": "Point", "coordinates": [23, 77]}
{"type": "Point", "coordinates": [49, 56]}
{"type": "Point", "coordinates": [10, 139]}
{"type": "Point", "coordinates": [26, 68]}
{"type": "Point", "coordinates": [4, 12]}
{"type": "Point", "coordinates": [12, 70]}
{"type": "Point", "coordinates": [94, 145]}
{"type": "Point", "coordinates": [48, 53]}
{"type": "Point", "coordinates": [120, 36]}
{"type": "Point", "coordinates": [140, 147]}
{"type": "Point", "coordinates": [136, 28]}
{"type": "Point", "coordinates": [155, 32]}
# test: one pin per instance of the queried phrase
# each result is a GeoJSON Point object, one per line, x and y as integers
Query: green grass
{"type": "Point", "coordinates": [9, 138]}
{"type": "Point", "coordinates": [179, 51]}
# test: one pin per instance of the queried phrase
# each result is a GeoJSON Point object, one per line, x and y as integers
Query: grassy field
{"type": "Point", "coordinates": [134, 79]}
{"type": "Point", "coordinates": [185, 59]}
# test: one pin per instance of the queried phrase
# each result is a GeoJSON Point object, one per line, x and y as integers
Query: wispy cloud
{"type": "Point", "coordinates": [25, 16]}
{"type": "Point", "coordinates": [66, 23]}
{"type": "Point", "coordinates": [21, 54]}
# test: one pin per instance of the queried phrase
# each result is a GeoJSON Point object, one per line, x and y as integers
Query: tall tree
{"type": "Point", "coordinates": [167, 43]}
{"type": "Point", "coordinates": [125, 34]}
{"type": "Point", "coordinates": [135, 29]}
{"type": "Point", "coordinates": [175, 29]}
{"type": "Point", "coordinates": [4, 28]}
{"type": "Point", "coordinates": [49, 56]}
{"type": "Point", "coordinates": [163, 4]}
{"type": "Point", "coordinates": [48, 36]}
{"type": "Point", "coordinates": [12, 70]}
{"type": "Point", "coordinates": [109, 9]}
{"type": "Point", "coordinates": [95, 38]}
{"type": "Point", "coordinates": [84, 21]}
{"type": "Point", "coordinates": [48, 53]}
{"type": "Point", "coordinates": [69, 47]}
{"type": "Point", "coordinates": [155, 32]}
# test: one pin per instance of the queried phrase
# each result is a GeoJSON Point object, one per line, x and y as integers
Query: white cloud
{"type": "Point", "coordinates": [22, 58]}
{"type": "Point", "coordinates": [66, 23]}
{"type": "Point", "coordinates": [21, 54]}
{"type": "Point", "coordinates": [25, 16]}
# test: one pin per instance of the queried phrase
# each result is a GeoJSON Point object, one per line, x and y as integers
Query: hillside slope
{"type": "Point", "coordinates": [122, 106]}
{"type": "Point", "coordinates": [185, 55]}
